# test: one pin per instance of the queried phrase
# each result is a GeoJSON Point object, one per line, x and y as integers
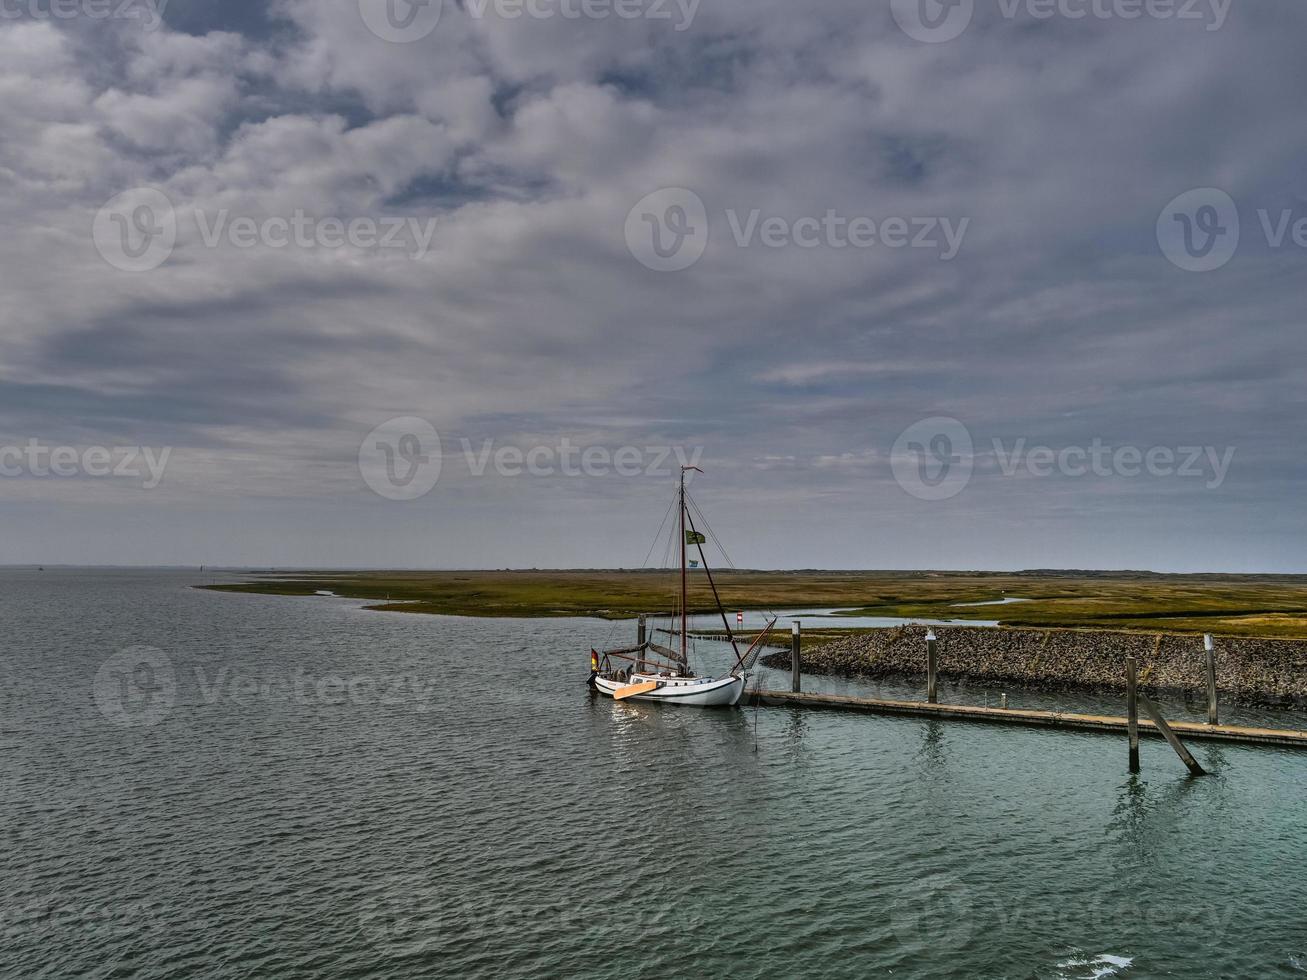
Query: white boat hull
{"type": "Point", "coordinates": [695, 691]}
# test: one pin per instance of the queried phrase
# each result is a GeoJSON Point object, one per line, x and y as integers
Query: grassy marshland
{"type": "Point", "coordinates": [1234, 605]}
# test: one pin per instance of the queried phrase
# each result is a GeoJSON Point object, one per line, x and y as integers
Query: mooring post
{"type": "Point", "coordinates": [932, 694]}
{"type": "Point", "coordinates": [796, 638]}
{"type": "Point", "coordinates": [1132, 710]}
{"type": "Point", "coordinates": [641, 635]}
{"type": "Point", "coordinates": [1155, 713]}
{"type": "Point", "coordinates": [1213, 715]}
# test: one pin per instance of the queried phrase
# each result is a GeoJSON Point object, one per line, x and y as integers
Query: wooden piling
{"type": "Point", "coordinates": [1155, 713]}
{"type": "Point", "coordinates": [796, 639]}
{"type": "Point", "coordinates": [1213, 712]}
{"type": "Point", "coordinates": [932, 664]}
{"type": "Point", "coordinates": [1132, 710]}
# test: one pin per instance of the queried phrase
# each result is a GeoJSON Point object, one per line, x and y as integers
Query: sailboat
{"type": "Point", "coordinates": [650, 671]}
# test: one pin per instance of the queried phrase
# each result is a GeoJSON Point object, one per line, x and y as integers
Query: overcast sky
{"type": "Point", "coordinates": [862, 261]}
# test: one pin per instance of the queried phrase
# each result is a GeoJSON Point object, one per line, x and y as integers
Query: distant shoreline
{"type": "Point", "coordinates": [1133, 602]}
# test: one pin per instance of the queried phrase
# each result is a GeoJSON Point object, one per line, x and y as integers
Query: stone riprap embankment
{"type": "Point", "coordinates": [1248, 670]}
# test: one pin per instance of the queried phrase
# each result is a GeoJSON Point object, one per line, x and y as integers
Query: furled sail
{"type": "Point", "coordinates": [665, 651]}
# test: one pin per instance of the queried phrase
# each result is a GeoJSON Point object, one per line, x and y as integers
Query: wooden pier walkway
{"type": "Point", "coordinates": [1281, 738]}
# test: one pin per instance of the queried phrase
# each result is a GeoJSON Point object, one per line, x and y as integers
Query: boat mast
{"type": "Point", "coordinates": [721, 610]}
{"type": "Point", "coordinates": [685, 658]}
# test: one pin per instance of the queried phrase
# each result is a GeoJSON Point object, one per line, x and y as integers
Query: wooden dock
{"type": "Point", "coordinates": [1108, 724]}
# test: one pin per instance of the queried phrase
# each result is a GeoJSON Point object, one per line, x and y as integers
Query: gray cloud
{"type": "Point", "coordinates": [528, 322]}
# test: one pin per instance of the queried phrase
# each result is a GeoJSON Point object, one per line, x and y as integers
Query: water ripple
{"type": "Point", "coordinates": [338, 793]}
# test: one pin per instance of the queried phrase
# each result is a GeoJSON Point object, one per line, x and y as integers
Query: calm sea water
{"type": "Point", "coordinates": [233, 786]}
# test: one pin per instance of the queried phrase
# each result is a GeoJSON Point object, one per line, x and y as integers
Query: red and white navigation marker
{"type": "Point", "coordinates": [739, 619]}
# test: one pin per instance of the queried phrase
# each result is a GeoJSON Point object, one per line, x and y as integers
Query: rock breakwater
{"type": "Point", "coordinates": [1248, 670]}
